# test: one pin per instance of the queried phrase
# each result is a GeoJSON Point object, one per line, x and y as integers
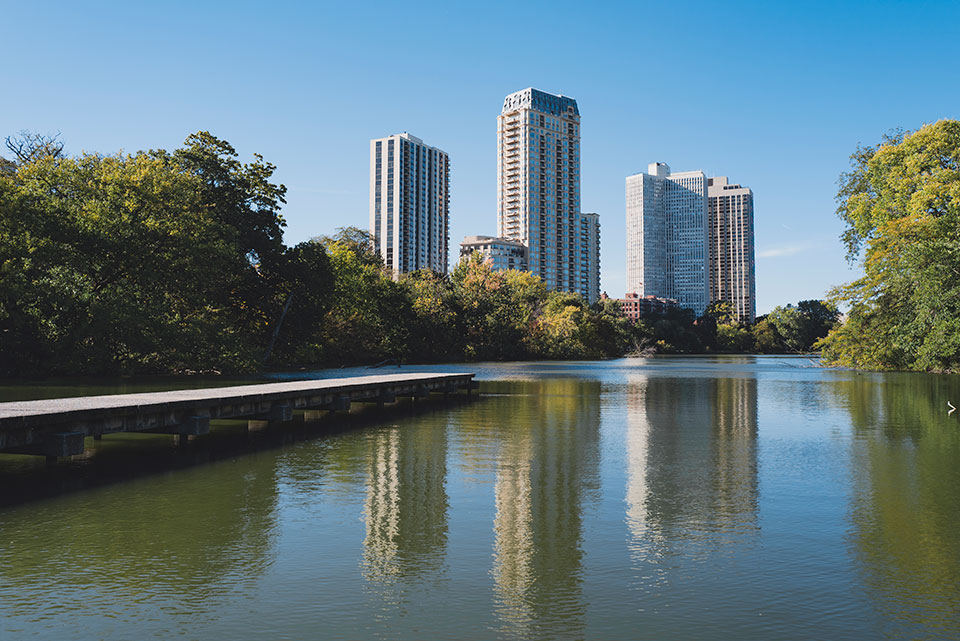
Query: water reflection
{"type": "Point", "coordinates": [548, 460]}
{"type": "Point", "coordinates": [405, 509]}
{"type": "Point", "coordinates": [134, 550]}
{"type": "Point", "coordinates": [906, 499]}
{"type": "Point", "coordinates": [691, 468]}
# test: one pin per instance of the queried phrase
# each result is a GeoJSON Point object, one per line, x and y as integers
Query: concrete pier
{"type": "Point", "coordinates": [58, 427]}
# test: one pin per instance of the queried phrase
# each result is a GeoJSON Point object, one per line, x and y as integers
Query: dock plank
{"type": "Point", "coordinates": [23, 423]}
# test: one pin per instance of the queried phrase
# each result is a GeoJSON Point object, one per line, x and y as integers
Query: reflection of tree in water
{"type": "Point", "coordinates": [692, 465]}
{"type": "Point", "coordinates": [549, 458]}
{"type": "Point", "coordinates": [906, 503]}
{"type": "Point", "coordinates": [186, 541]}
{"type": "Point", "coordinates": [406, 503]}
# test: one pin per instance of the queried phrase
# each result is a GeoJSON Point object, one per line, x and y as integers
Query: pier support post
{"type": "Point", "coordinates": [281, 413]}
{"type": "Point", "coordinates": [57, 444]}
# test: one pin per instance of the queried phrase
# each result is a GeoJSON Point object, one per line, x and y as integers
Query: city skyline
{"type": "Point", "coordinates": [781, 113]}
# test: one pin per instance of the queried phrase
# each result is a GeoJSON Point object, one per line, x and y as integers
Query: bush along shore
{"type": "Point", "coordinates": [171, 262]}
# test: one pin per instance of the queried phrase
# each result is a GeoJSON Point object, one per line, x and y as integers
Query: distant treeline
{"type": "Point", "coordinates": [164, 262]}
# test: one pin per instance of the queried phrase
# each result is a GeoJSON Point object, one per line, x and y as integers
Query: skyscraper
{"type": "Point", "coordinates": [667, 236]}
{"type": "Point", "coordinates": [589, 256]}
{"type": "Point", "coordinates": [410, 203]}
{"type": "Point", "coordinates": [731, 254]}
{"type": "Point", "coordinates": [538, 186]}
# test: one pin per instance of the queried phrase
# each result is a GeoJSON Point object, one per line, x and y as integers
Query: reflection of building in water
{"type": "Point", "coordinates": [692, 466]}
{"type": "Point", "coordinates": [548, 461]}
{"type": "Point", "coordinates": [406, 503]}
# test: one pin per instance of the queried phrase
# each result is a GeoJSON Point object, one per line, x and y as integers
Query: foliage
{"type": "Point", "coordinates": [171, 261]}
{"type": "Point", "coordinates": [145, 262]}
{"type": "Point", "coordinates": [901, 204]}
{"type": "Point", "coordinates": [799, 328]}
{"type": "Point", "coordinates": [766, 339]}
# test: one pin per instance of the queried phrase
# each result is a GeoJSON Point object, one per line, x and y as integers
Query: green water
{"type": "Point", "coordinates": [667, 498]}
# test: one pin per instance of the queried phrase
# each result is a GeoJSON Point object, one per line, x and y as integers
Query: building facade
{"type": "Point", "coordinates": [538, 186]}
{"type": "Point", "coordinates": [501, 253]}
{"type": "Point", "coordinates": [635, 306]}
{"type": "Point", "coordinates": [588, 256]}
{"type": "Point", "coordinates": [410, 203]}
{"type": "Point", "coordinates": [667, 236]}
{"type": "Point", "coordinates": [732, 269]}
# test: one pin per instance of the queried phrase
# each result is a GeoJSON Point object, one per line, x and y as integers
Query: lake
{"type": "Point", "coordinates": [664, 498]}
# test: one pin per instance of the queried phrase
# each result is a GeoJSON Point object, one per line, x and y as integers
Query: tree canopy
{"type": "Point", "coordinates": [164, 262]}
{"type": "Point", "coordinates": [901, 206]}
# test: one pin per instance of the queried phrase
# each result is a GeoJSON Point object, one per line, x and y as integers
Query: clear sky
{"type": "Point", "coordinates": [774, 95]}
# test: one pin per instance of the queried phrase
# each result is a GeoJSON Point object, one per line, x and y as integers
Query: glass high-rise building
{"type": "Point", "coordinates": [410, 203]}
{"type": "Point", "coordinates": [538, 190]}
{"type": "Point", "coordinates": [667, 236]}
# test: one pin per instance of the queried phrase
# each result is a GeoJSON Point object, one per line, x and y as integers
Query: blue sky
{"type": "Point", "coordinates": [774, 95]}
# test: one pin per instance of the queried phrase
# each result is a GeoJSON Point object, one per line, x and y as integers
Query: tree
{"type": "Point", "coordinates": [145, 262]}
{"type": "Point", "coordinates": [493, 327]}
{"type": "Point", "coordinates": [765, 338]}
{"type": "Point", "coordinates": [901, 206]}
{"type": "Point", "coordinates": [306, 285]}
{"type": "Point", "coordinates": [722, 312]}
{"type": "Point", "coordinates": [28, 146]}
{"type": "Point", "coordinates": [110, 263]}
{"type": "Point", "coordinates": [357, 240]}
{"type": "Point", "coordinates": [800, 327]}
{"type": "Point", "coordinates": [733, 337]}
{"type": "Point", "coordinates": [435, 333]}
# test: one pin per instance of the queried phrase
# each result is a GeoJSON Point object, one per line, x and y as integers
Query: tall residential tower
{"type": "Point", "coordinates": [731, 255]}
{"type": "Point", "coordinates": [410, 203]}
{"type": "Point", "coordinates": [667, 236]}
{"type": "Point", "coordinates": [538, 188]}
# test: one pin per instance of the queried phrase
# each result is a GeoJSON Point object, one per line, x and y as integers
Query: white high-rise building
{"type": "Point", "coordinates": [538, 186]}
{"type": "Point", "coordinates": [410, 203]}
{"type": "Point", "coordinates": [731, 253]}
{"type": "Point", "coordinates": [667, 236]}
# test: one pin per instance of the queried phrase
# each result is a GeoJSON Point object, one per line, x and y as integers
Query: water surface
{"type": "Point", "coordinates": [667, 498]}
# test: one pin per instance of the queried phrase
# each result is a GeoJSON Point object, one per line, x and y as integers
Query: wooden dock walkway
{"type": "Point", "coordinates": [58, 427]}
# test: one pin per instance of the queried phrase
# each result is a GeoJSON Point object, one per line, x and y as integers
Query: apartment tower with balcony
{"type": "Point", "coordinates": [500, 253]}
{"type": "Point", "coordinates": [410, 203]}
{"type": "Point", "coordinates": [667, 236]}
{"type": "Point", "coordinates": [538, 189]}
{"type": "Point", "coordinates": [588, 256]}
{"type": "Point", "coordinates": [732, 270]}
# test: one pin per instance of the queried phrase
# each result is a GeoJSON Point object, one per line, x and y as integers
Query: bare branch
{"type": "Point", "coordinates": [28, 146]}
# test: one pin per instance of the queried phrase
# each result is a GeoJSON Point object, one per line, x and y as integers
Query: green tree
{"type": "Point", "coordinates": [494, 326]}
{"type": "Point", "coordinates": [369, 316]}
{"type": "Point", "coordinates": [109, 264]}
{"type": "Point", "coordinates": [153, 261]}
{"type": "Point", "coordinates": [733, 337]}
{"type": "Point", "coordinates": [799, 328]}
{"type": "Point", "coordinates": [722, 312]}
{"type": "Point", "coordinates": [306, 282]}
{"type": "Point", "coordinates": [765, 337]}
{"type": "Point", "coordinates": [901, 206]}
{"type": "Point", "coordinates": [435, 332]}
